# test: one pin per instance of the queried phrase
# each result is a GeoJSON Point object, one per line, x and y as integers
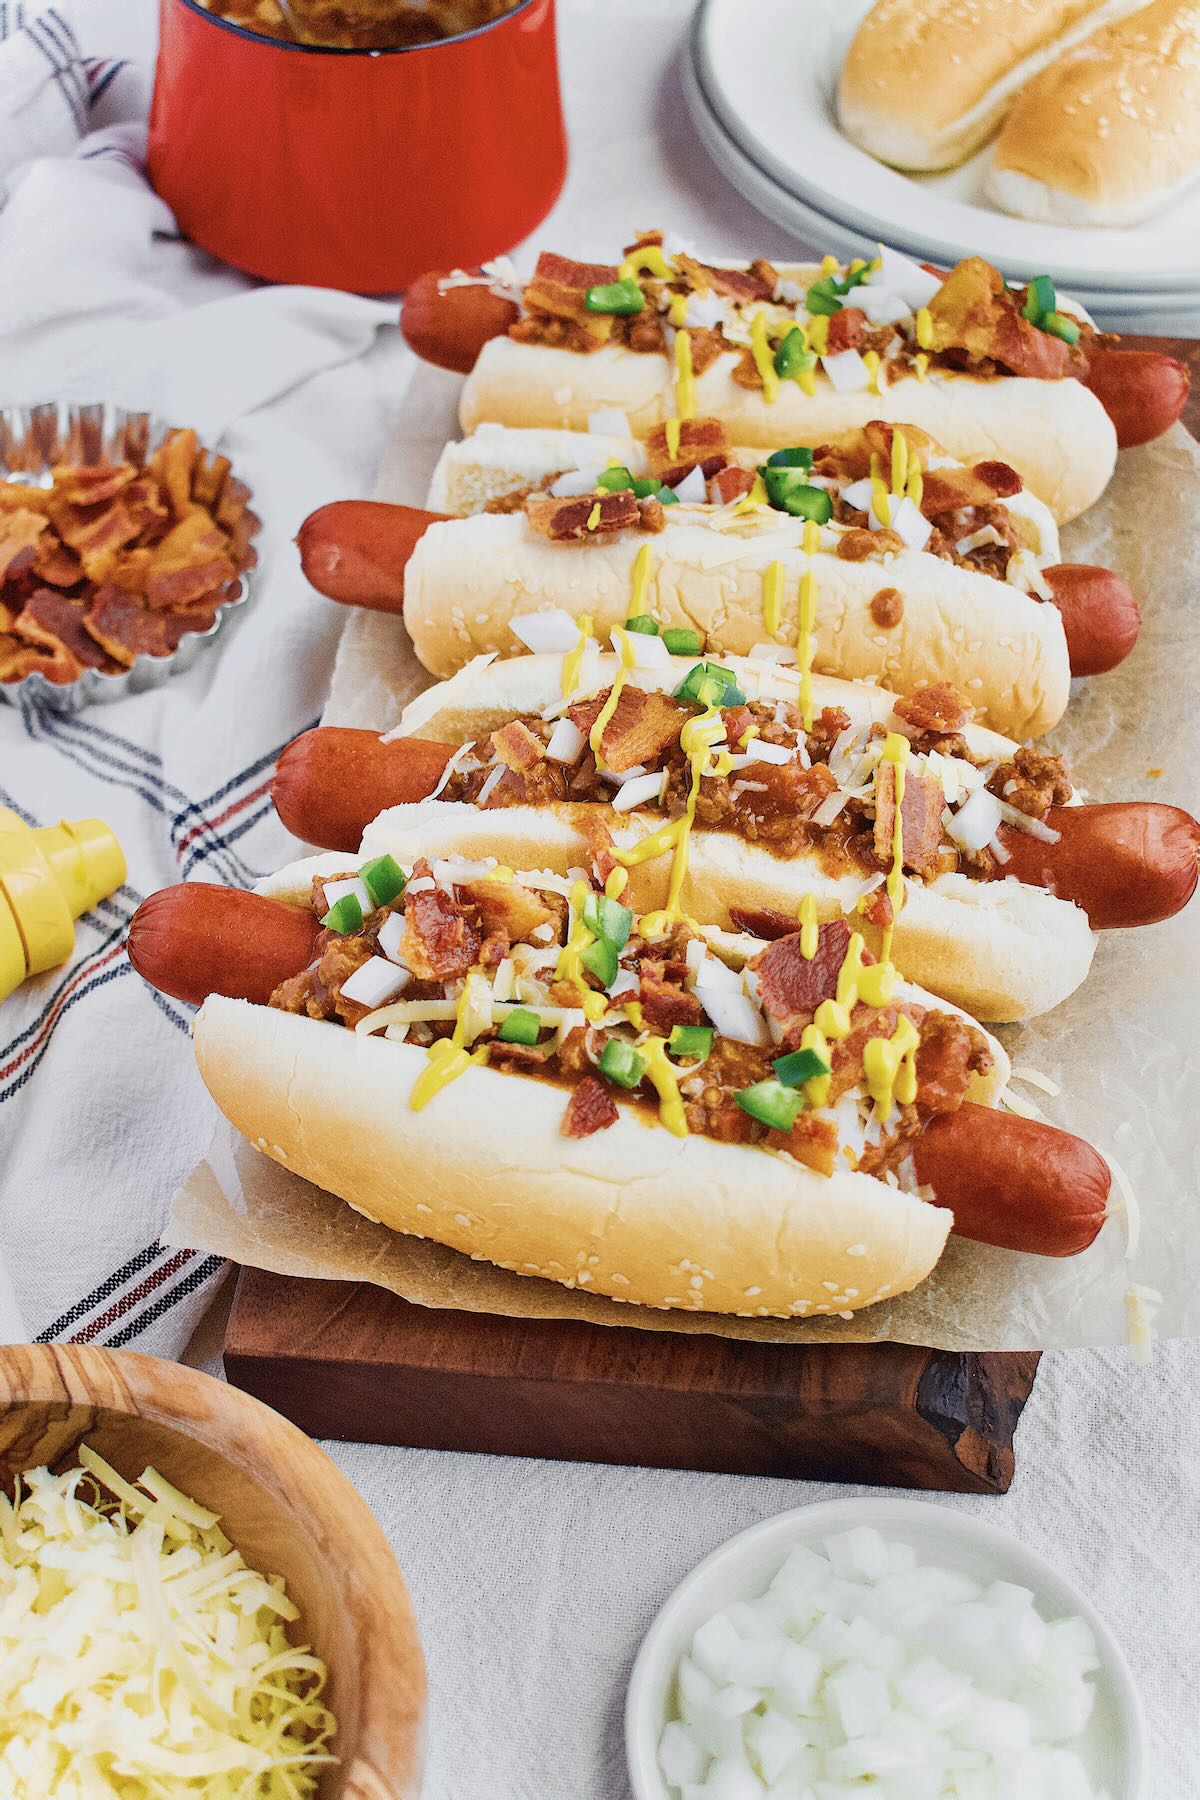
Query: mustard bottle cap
{"type": "Point", "coordinates": [48, 877]}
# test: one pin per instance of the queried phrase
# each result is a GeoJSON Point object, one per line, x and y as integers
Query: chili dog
{"type": "Point", "coordinates": [801, 355]}
{"type": "Point", "coordinates": [555, 1044]}
{"type": "Point", "coordinates": [935, 561]}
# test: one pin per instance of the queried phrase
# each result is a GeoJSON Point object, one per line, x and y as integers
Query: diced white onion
{"type": "Point", "coordinates": [610, 421]}
{"type": "Point", "coordinates": [646, 647]}
{"type": "Point", "coordinates": [575, 483]}
{"type": "Point", "coordinates": [987, 534]}
{"type": "Point", "coordinates": [504, 980]}
{"type": "Point", "coordinates": [553, 632]}
{"type": "Point", "coordinates": [375, 983]}
{"type": "Point", "coordinates": [711, 972]}
{"type": "Point", "coordinates": [334, 890]}
{"type": "Point", "coordinates": [758, 751]}
{"type": "Point", "coordinates": [859, 494]}
{"type": "Point", "coordinates": [771, 653]}
{"type": "Point", "coordinates": [847, 371]}
{"type": "Point", "coordinates": [830, 807]}
{"type": "Point", "coordinates": [880, 306]}
{"type": "Point", "coordinates": [692, 490]}
{"type": "Point", "coordinates": [975, 822]}
{"type": "Point", "coordinates": [449, 871]}
{"type": "Point", "coordinates": [424, 884]}
{"type": "Point", "coordinates": [733, 1014]}
{"type": "Point", "coordinates": [998, 851]}
{"type": "Point", "coordinates": [639, 792]}
{"type": "Point", "coordinates": [391, 935]}
{"type": "Point", "coordinates": [492, 781]}
{"type": "Point", "coordinates": [1026, 822]}
{"type": "Point", "coordinates": [1024, 571]}
{"type": "Point", "coordinates": [901, 275]}
{"type": "Point", "coordinates": [625, 983]}
{"type": "Point", "coordinates": [909, 522]}
{"type": "Point", "coordinates": [705, 311]}
{"type": "Point", "coordinates": [566, 742]}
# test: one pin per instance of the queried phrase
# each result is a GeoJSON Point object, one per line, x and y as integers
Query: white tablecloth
{"type": "Point", "coordinates": [533, 1581]}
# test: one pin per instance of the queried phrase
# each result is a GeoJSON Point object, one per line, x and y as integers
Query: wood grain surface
{"type": "Point", "coordinates": [349, 1360]}
{"type": "Point", "coordinates": [282, 1502]}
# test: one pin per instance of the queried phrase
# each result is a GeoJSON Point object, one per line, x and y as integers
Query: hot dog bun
{"type": "Point", "coordinates": [925, 82]}
{"type": "Point", "coordinates": [1007, 653]}
{"type": "Point", "coordinates": [1109, 134]}
{"type": "Point", "coordinates": [1056, 434]}
{"type": "Point", "coordinates": [486, 1170]}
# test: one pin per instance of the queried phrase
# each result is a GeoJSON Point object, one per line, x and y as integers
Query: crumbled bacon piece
{"type": "Point", "coordinates": [171, 466]}
{"type": "Point", "coordinates": [974, 313]}
{"type": "Point", "coordinates": [440, 943]}
{"type": "Point", "coordinates": [49, 618]}
{"type": "Point", "coordinates": [19, 534]}
{"type": "Point", "coordinates": [763, 921]}
{"type": "Point", "coordinates": [790, 788]}
{"type": "Point", "coordinates": [564, 521]}
{"type": "Point", "coordinates": [949, 1053]}
{"type": "Point", "coordinates": [877, 908]}
{"type": "Point", "coordinates": [518, 747]}
{"type": "Point", "coordinates": [590, 1108]}
{"type": "Point", "coordinates": [54, 563]}
{"type": "Point", "coordinates": [938, 707]}
{"type": "Point", "coordinates": [698, 440]}
{"type": "Point", "coordinates": [88, 486]}
{"type": "Point", "coordinates": [846, 330]}
{"type": "Point", "coordinates": [643, 725]}
{"type": "Point", "coordinates": [508, 909]}
{"type": "Point", "coordinates": [790, 983]}
{"type": "Point", "coordinates": [666, 1002]}
{"type": "Point", "coordinates": [732, 483]}
{"type": "Point", "coordinates": [18, 659]}
{"type": "Point", "coordinates": [121, 624]}
{"type": "Point", "coordinates": [946, 490]}
{"type": "Point", "coordinates": [920, 818]}
{"type": "Point", "coordinates": [755, 283]}
{"type": "Point", "coordinates": [560, 287]}
{"type": "Point", "coordinates": [706, 347]}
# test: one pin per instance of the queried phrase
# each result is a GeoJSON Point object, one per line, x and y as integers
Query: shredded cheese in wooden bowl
{"type": "Point", "coordinates": [140, 1656]}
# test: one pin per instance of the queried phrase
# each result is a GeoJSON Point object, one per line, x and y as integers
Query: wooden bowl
{"type": "Point", "coordinates": [282, 1502]}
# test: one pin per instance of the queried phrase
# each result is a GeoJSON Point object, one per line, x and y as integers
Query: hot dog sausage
{"type": "Point", "coordinates": [1008, 1181]}
{"type": "Point", "coordinates": [1100, 616]}
{"type": "Point", "coordinates": [1130, 862]}
{"type": "Point", "coordinates": [1127, 863]}
{"type": "Point", "coordinates": [1014, 1182]}
{"type": "Point", "coordinates": [449, 326]}
{"type": "Point", "coordinates": [198, 939]}
{"type": "Point", "coordinates": [355, 551]}
{"type": "Point", "coordinates": [330, 783]}
{"type": "Point", "coordinates": [1142, 391]}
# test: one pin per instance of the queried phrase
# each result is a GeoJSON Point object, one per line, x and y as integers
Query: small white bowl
{"type": "Point", "coordinates": [1112, 1748]}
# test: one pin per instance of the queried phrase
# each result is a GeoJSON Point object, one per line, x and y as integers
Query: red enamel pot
{"type": "Point", "coordinates": [356, 169]}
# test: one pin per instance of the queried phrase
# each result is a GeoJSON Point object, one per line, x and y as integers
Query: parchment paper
{"type": "Point", "coordinates": [1125, 1048]}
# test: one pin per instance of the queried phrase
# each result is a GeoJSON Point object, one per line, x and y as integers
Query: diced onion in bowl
{"type": "Point", "coordinates": [566, 742]}
{"type": "Point", "coordinates": [375, 983]}
{"type": "Point", "coordinates": [847, 371]}
{"type": "Point", "coordinates": [639, 792]}
{"type": "Point", "coordinates": [553, 632]}
{"type": "Point", "coordinates": [609, 421]}
{"type": "Point", "coordinates": [575, 483]}
{"type": "Point", "coordinates": [976, 821]}
{"type": "Point", "coordinates": [692, 490]}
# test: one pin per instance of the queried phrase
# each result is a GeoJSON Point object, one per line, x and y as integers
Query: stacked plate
{"type": "Point", "coordinates": [761, 83]}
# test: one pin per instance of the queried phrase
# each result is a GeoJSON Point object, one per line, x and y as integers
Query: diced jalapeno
{"type": "Point", "coordinates": [383, 879]}
{"type": "Point", "coordinates": [621, 1063]}
{"type": "Point", "coordinates": [615, 481]}
{"type": "Point", "coordinates": [771, 1104]}
{"type": "Point", "coordinates": [798, 456]}
{"type": "Point", "coordinates": [793, 356]}
{"type": "Point", "coordinates": [691, 1040]}
{"type": "Point", "coordinates": [646, 489]}
{"type": "Point", "coordinates": [822, 297]}
{"type": "Point", "coordinates": [520, 1027]}
{"type": "Point", "coordinates": [643, 623]}
{"type": "Point", "coordinates": [1040, 300]}
{"type": "Point", "coordinates": [624, 298]}
{"type": "Point", "coordinates": [344, 915]}
{"type": "Point", "coordinates": [799, 1067]}
{"type": "Point", "coordinates": [600, 960]}
{"type": "Point", "coordinates": [788, 491]}
{"type": "Point", "coordinates": [609, 920]}
{"type": "Point", "coordinates": [1060, 326]}
{"type": "Point", "coordinates": [708, 684]}
{"type": "Point", "coordinates": [682, 641]}
{"type": "Point", "coordinates": [665, 496]}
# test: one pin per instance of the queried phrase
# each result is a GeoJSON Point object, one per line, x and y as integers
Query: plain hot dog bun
{"type": "Point", "coordinates": [1003, 650]}
{"type": "Point", "coordinates": [485, 1167]}
{"type": "Point", "coordinates": [1109, 134]}
{"type": "Point", "coordinates": [1001, 949]}
{"type": "Point", "coordinates": [1055, 434]}
{"type": "Point", "coordinates": [926, 82]}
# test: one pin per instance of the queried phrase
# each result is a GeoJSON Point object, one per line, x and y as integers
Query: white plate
{"type": "Point", "coordinates": [770, 69]}
{"type": "Point", "coordinates": [1174, 314]}
{"type": "Point", "coordinates": [1112, 1748]}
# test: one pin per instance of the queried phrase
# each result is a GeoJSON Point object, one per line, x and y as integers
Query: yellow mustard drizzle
{"type": "Point", "coordinates": [447, 1059]}
{"type": "Point", "coordinates": [662, 1075]}
{"type": "Point", "coordinates": [879, 492]}
{"type": "Point", "coordinates": [698, 739]}
{"type": "Point", "coordinates": [754, 500]}
{"type": "Point", "coordinates": [647, 259]}
{"type": "Point", "coordinates": [500, 873]}
{"type": "Point", "coordinates": [760, 346]}
{"type": "Point", "coordinates": [685, 380]}
{"type": "Point", "coordinates": [751, 731]}
{"type": "Point", "coordinates": [818, 333]}
{"type": "Point", "coordinates": [772, 602]}
{"type": "Point", "coordinates": [643, 568]}
{"type": "Point", "coordinates": [916, 483]}
{"type": "Point", "coordinates": [624, 670]}
{"type": "Point", "coordinates": [810, 928]}
{"type": "Point", "coordinates": [593, 518]}
{"type": "Point", "coordinates": [829, 264]}
{"type": "Point", "coordinates": [618, 881]}
{"type": "Point", "coordinates": [856, 981]}
{"type": "Point", "coordinates": [873, 362]}
{"type": "Point", "coordinates": [569, 968]}
{"type": "Point", "coordinates": [895, 751]}
{"type": "Point", "coordinates": [677, 310]}
{"type": "Point", "coordinates": [890, 1067]}
{"type": "Point", "coordinates": [899, 461]}
{"type": "Point", "coordinates": [573, 660]}
{"type": "Point", "coordinates": [816, 1091]}
{"type": "Point", "coordinates": [805, 640]}
{"type": "Point", "coordinates": [924, 327]}
{"type": "Point", "coordinates": [671, 431]}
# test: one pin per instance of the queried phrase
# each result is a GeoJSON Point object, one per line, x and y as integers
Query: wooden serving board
{"type": "Point", "coordinates": [349, 1360]}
